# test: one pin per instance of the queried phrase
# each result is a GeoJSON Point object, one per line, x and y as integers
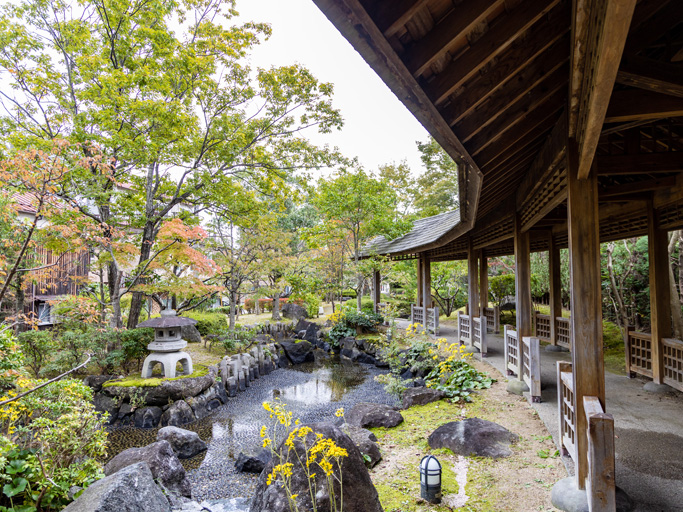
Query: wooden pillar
{"type": "Point", "coordinates": [472, 281]}
{"type": "Point", "coordinates": [660, 305]}
{"type": "Point", "coordinates": [418, 299]}
{"type": "Point", "coordinates": [555, 287]}
{"type": "Point", "coordinates": [522, 281]}
{"type": "Point", "coordinates": [586, 301]}
{"type": "Point", "coordinates": [483, 282]}
{"type": "Point", "coordinates": [426, 284]}
{"type": "Point", "coordinates": [376, 289]}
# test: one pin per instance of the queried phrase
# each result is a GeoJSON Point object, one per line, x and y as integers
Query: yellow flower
{"type": "Point", "coordinates": [339, 413]}
{"type": "Point", "coordinates": [263, 431]}
{"type": "Point", "coordinates": [266, 442]}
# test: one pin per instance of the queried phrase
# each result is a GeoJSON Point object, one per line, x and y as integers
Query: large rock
{"type": "Point", "coordinates": [474, 436]}
{"type": "Point", "coordinates": [106, 404]}
{"type": "Point", "coordinates": [359, 494]}
{"type": "Point", "coordinates": [95, 381]}
{"type": "Point", "coordinates": [366, 442]}
{"type": "Point", "coordinates": [294, 311]}
{"type": "Point", "coordinates": [298, 352]}
{"type": "Point", "coordinates": [368, 415]}
{"type": "Point", "coordinates": [168, 390]}
{"type": "Point", "coordinates": [179, 413]}
{"type": "Point", "coordinates": [132, 489]}
{"type": "Point", "coordinates": [185, 443]}
{"type": "Point", "coordinates": [421, 396]}
{"type": "Point", "coordinates": [147, 417]}
{"type": "Point", "coordinates": [205, 403]}
{"type": "Point", "coordinates": [162, 461]}
{"type": "Point", "coordinates": [252, 462]}
{"type": "Point", "coordinates": [190, 334]}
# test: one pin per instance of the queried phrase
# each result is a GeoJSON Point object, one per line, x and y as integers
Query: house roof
{"type": "Point", "coordinates": [25, 202]}
{"type": "Point", "coordinates": [425, 232]}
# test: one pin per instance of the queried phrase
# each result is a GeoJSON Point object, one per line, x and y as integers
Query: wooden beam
{"type": "Point", "coordinates": [516, 66]}
{"type": "Point", "coordinates": [637, 187]}
{"type": "Point", "coordinates": [643, 163]}
{"type": "Point", "coordinates": [639, 105]}
{"type": "Point", "coordinates": [647, 32]}
{"type": "Point", "coordinates": [420, 291]}
{"type": "Point", "coordinates": [426, 282]}
{"type": "Point", "coordinates": [599, 34]}
{"type": "Point", "coordinates": [472, 279]}
{"type": "Point", "coordinates": [455, 25]}
{"type": "Point", "coordinates": [555, 279]}
{"type": "Point", "coordinates": [651, 75]}
{"type": "Point", "coordinates": [522, 280]}
{"type": "Point", "coordinates": [499, 37]}
{"type": "Point", "coordinates": [390, 17]}
{"type": "Point", "coordinates": [586, 300]}
{"type": "Point", "coordinates": [660, 304]}
{"type": "Point", "coordinates": [483, 282]}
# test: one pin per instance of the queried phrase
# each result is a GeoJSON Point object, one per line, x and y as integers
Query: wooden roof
{"type": "Point", "coordinates": [500, 84]}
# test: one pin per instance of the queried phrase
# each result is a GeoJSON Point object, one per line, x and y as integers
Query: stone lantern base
{"type": "Point", "coordinates": [168, 361]}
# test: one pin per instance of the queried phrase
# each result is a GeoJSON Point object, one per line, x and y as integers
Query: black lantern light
{"type": "Point", "coordinates": [430, 479]}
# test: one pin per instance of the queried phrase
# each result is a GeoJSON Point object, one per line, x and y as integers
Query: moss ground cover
{"type": "Point", "coordinates": [138, 382]}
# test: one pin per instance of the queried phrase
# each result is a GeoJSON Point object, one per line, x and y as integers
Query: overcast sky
{"type": "Point", "coordinates": [378, 129]}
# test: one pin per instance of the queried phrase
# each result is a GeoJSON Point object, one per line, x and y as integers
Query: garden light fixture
{"type": "Point", "coordinates": [430, 479]}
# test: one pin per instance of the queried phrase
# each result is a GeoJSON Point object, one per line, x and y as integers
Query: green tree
{"type": "Point", "coordinates": [437, 187]}
{"type": "Point", "coordinates": [449, 284]}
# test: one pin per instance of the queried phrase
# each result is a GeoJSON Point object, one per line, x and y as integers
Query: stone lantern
{"type": "Point", "coordinates": [167, 345]}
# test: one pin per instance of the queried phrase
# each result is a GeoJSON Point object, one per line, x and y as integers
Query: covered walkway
{"type": "Point", "coordinates": [648, 428]}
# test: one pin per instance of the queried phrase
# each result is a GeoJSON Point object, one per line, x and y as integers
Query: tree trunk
{"type": "Point", "coordinates": [620, 309]}
{"type": "Point", "coordinates": [139, 297]}
{"type": "Point", "coordinates": [359, 292]}
{"type": "Point", "coordinates": [115, 291]}
{"type": "Point", "coordinates": [676, 314]}
{"type": "Point", "coordinates": [276, 307]}
{"type": "Point", "coordinates": [20, 301]}
{"type": "Point", "coordinates": [233, 309]}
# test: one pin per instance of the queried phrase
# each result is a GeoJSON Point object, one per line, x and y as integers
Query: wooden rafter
{"type": "Point", "coordinates": [643, 163]}
{"type": "Point", "coordinates": [638, 187]}
{"type": "Point", "coordinates": [394, 15]}
{"type": "Point", "coordinates": [636, 105]}
{"type": "Point", "coordinates": [499, 37]}
{"type": "Point", "coordinates": [599, 31]}
{"type": "Point", "coordinates": [652, 75]}
{"type": "Point", "coordinates": [645, 33]}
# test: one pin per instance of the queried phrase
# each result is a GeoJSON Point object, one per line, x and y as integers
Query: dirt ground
{"type": "Point", "coordinates": [519, 483]}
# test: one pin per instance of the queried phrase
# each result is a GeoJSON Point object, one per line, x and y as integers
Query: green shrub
{"type": "Point", "coordinates": [209, 323]}
{"type": "Point", "coordinates": [11, 359]}
{"type": "Point", "coordinates": [457, 379]}
{"type": "Point", "coordinates": [351, 293]}
{"type": "Point", "coordinates": [38, 348]}
{"type": "Point", "coordinates": [134, 345]}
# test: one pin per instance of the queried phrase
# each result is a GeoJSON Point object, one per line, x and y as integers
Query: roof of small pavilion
{"type": "Point", "coordinates": [490, 80]}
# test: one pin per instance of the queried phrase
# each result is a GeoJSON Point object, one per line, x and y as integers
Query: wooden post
{"type": "Point", "coordinates": [660, 305]}
{"type": "Point", "coordinates": [496, 319]}
{"type": "Point", "coordinates": [601, 484]}
{"type": "Point", "coordinates": [562, 366]}
{"type": "Point", "coordinates": [505, 349]}
{"type": "Point", "coordinates": [418, 300]}
{"type": "Point", "coordinates": [535, 370]}
{"type": "Point", "coordinates": [586, 301]}
{"type": "Point", "coordinates": [483, 351]}
{"type": "Point", "coordinates": [555, 287]}
{"type": "Point", "coordinates": [426, 284]}
{"type": "Point", "coordinates": [483, 282]}
{"type": "Point", "coordinates": [472, 281]}
{"type": "Point", "coordinates": [627, 350]}
{"type": "Point", "coordinates": [376, 289]}
{"type": "Point", "coordinates": [522, 281]}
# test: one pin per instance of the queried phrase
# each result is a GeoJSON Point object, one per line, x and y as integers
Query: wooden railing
{"type": "Point", "coordinates": [430, 320]}
{"type": "Point", "coordinates": [673, 362]}
{"type": "Point", "coordinates": [531, 367]}
{"type": "Point", "coordinates": [638, 352]}
{"type": "Point", "coordinates": [492, 319]}
{"type": "Point", "coordinates": [479, 334]}
{"type": "Point", "coordinates": [511, 350]}
{"type": "Point", "coordinates": [542, 323]}
{"type": "Point", "coordinates": [563, 330]}
{"type": "Point", "coordinates": [565, 404]}
{"type": "Point", "coordinates": [600, 483]}
{"type": "Point", "coordinates": [464, 329]}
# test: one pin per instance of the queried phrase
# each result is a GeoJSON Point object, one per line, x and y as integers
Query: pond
{"type": "Point", "coordinates": [313, 391]}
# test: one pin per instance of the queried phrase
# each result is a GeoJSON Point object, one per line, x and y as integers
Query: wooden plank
{"type": "Point", "coordinates": [500, 36]}
{"type": "Point", "coordinates": [604, 37]}
{"type": "Point", "coordinates": [455, 25]}
{"type": "Point", "coordinates": [516, 68]}
{"type": "Point", "coordinates": [563, 367]}
{"type": "Point", "coordinates": [392, 16]}
{"type": "Point", "coordinates": [522, 281]}
{"type": "Point", "coordinates": [472, 279]}
{"type": "Point", "coordinates": [651, 75]}
{"type": "Point", "coordinates": [555, 281]}
{"type": "Point", "coordinates": [638, 187]}
{"type": "Point", "coordinates": [602, 488]}
{"type": "Point", "coordinates": [639, 105]}
{"type": "Point", "coordinates": [535, 370]}
{"type": "Point", "coordinates": [660, 305]}
{"type": "Point", "coordinates": [643, 163]}
{"type": "Point", "coordinates": [483, 282]}
{"type": "Point", "coordinates": [586, 299]}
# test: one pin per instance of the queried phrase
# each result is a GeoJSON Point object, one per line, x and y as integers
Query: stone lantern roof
{"type": "Point", "coordinates": [168, 319]}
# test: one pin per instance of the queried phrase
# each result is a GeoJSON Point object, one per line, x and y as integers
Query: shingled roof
{"type": "Point", "coordinates": [424, 233]}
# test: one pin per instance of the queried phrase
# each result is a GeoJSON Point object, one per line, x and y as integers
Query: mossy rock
{"type": "Point", "coordinates": [139, 382]}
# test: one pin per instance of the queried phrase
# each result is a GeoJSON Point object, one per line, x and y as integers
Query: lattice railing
{"type": "Point", "coordinates": [531, 366]}
{"type": "Point", "coordinates": [542, 326]}
{"type": "Point", "coordinates": [427, 317]}
{"type": "Point", "coordinates": [638, 353]}
{"type": "Point", "coordinates": [479, 334]}
{"type": "Point", "coordinates": [432, 321]}
{"type": "Point", "coordinates": [511, 350]}
{"type": "Point", "coordinates": [464, 329]}
{"type": "Point", "coordinates": [673, 362]}
{"type": "Point", "coordinates": [492, 319]}
{"type": "Point", "coordinates": [565, 403]}
{"type": "Point", "coordinates": [563, 330]}
{"type": "Point", "coordinates": [417, 315]}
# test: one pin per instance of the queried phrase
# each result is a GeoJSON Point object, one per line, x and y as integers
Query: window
{"type": "Point", "coordinates": [44, 313]}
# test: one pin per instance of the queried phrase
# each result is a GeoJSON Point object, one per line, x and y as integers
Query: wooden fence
{"type": "Point", "coordinates": [565, 404]}
{"type": "Point", "coordinates": [430, 322]}
{"type": "Point", "coordinates": [531, 367]}
{"type": "Point", "coordinates": [638, 351]}
{"type": "Point", "coordinates": [492, 319]}
{"type": "Point", "coordinates": [464, 329]}
{"type": "Point", "coordinates": [563, 330]}
{"type": "Point", "coordinates": [511, 350]}
{"type": "Point", "coordinates": [479, 334]}
{"type": "Point", "coordinates": [673, 362]}
{"type": "Point", "coordinates": [542, 323]}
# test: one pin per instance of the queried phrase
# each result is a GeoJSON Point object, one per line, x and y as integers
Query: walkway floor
{"type": "Point", "coordinates": [648, 429]}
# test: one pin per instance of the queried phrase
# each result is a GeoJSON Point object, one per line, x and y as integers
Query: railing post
{"type": "Point", "coordinates": [496, 319]}
{"type": "Point", "coordinates": [600, 484]}
{"type": "Point", "coordinates": [412, 313]}
{"type": "Point", "coordinates": [483, 349]}
{"type": "Point", "coordinates": [627, 349]}
{"type": "Point", "coordinates": [436, 320]}
{"type": "Point", "coordinates": [457, 328]}
{"type": "Point", "coordinates": [562, 366]}
{"type": "Point", "coordinates": [535, 370]}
